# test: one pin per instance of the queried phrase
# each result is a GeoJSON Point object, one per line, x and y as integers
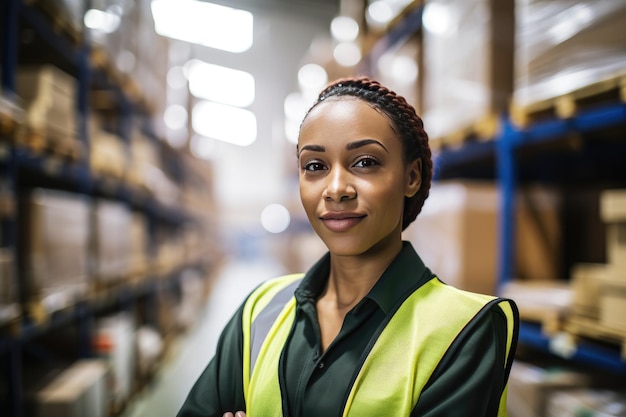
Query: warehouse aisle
{"type": "Point", "coordinates": [193, 351]}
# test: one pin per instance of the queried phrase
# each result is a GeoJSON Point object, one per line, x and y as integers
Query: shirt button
{"type": "Point", "coordinates": [320, 365]}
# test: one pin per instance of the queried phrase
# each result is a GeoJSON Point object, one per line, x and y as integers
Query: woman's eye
{"type": "Point", "coordinates": [314, 166]}
{"type": "Point", "coordinates": [366, 162]}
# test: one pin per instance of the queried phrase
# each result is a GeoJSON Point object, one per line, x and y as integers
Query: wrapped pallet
{"type": "Point", "coordinates": [468, 65]}
{"type": "Point", "coordinates": [55, 234]}
{"type": "Point", "coordinates": [565, 45]}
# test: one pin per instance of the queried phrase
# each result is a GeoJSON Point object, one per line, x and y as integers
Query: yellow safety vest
{"type": "Point", "coordinates": [268, 316]}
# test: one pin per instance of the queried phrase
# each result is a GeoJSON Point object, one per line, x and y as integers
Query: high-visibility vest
{"type": "Point", "coordinates": [269, 314]}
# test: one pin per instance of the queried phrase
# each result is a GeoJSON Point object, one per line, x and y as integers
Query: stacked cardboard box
{"type": "Point", "coordinates": [79, 391]}
{"type": "Point", "coordinates": [457, 234]}
{"type": "Point", "coordinates": [613, 289]}
{"type": "Point", "coordinates": [599, 300]}
{"type": "Point", "coordinates": [55, 241]}
{"type": "Point", "coordinates": [49, 98]}
{"type": "Point", "coordinates": [530, 387]}
{"type": "Point", "coordinates": [108, 153]}
{"type": "Point", "coordinates": [112, 226]}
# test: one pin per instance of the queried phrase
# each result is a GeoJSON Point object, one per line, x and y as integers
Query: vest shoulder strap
{"type": "Point", "coordinates": [261, 311]}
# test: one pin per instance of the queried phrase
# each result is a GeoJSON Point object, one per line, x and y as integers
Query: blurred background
{"type": "Point", "coordinates": [148, 181]}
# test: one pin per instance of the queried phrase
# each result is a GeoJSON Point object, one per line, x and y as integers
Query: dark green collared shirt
{"type": "Point", "coordinates": [468, 381]}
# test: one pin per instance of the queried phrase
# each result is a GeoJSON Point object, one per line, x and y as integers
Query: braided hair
{"type": "Point", "coordinates": [409, 125]}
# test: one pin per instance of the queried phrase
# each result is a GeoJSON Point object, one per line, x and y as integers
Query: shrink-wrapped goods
{"type": "Point", "coordinates": [467, 65]}
{"type": "Point", "coordinates": [565, 45]}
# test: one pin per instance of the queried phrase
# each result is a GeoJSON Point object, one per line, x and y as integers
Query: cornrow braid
{"type": "Point", "coordinates": [404, 117]}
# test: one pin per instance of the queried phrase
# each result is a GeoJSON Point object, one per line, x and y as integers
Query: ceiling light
{"type": "Point", "coordinates": [204, 23]}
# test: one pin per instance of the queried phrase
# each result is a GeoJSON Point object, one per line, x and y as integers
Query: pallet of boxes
{"type": "Point", "coordinates": [599, 290]}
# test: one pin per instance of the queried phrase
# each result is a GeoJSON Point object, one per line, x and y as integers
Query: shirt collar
{"type": "Point", "coordinates": [406, 273]}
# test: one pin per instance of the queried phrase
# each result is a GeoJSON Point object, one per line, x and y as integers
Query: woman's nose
{"type": "Point", "coordinates": [339, 186]}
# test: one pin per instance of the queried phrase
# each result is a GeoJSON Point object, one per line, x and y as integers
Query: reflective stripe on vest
{"type": "Point", "coordinates": [407, 331]}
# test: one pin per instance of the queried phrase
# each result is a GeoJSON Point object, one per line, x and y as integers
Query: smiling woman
{"type": "Point", "coordinates": [320, 343]}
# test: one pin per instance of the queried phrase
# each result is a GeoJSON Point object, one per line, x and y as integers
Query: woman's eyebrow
{"type": "Point", "coordinates": [359, 143]}
{"type": "Point", "coordinates": [313, 148]}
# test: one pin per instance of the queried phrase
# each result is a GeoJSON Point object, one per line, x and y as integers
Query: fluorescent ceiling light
{"type": "Point", "coordinates": [225, 123]}
{"type": "Point", "coordinates": [221, 84]}
{"type": "Point", "coordinates": [204, 23]}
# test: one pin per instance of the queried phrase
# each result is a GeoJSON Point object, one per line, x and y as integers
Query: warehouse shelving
{"type": "Point", "coordinates": [23, 168]}
{"type": "Point", "coordinates": [554, 144]}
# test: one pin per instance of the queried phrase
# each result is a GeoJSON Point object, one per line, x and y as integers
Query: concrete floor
{"type": "Point", "coordinates": [193, 351]}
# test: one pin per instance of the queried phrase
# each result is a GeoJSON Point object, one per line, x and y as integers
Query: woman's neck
{"type": "Point", "coordinates": [352, 277]}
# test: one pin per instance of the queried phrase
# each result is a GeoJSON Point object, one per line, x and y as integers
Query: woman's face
{"type": "Point", "coordinates": [352, 176]}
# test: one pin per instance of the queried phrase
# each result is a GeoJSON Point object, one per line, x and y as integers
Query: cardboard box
{"type": "Point", "coordinates": [49, 97]}
{"type": "Point", "coordinates": [55, 231]}
{"type": "Point", "coordinates": [112, 244]}
{"type": "Point", "coordinates": [530, 387]}
{"type": "Point", "coordinates": [457, 234]}
{"type": "Point", "coordinates": [613, 214]}
{"type": "Point", "coordinates": [80, 391]}
{"type": "Point", "coordinates": [586, 283]}
{"type": "Point", "coordinates": [613, 304]}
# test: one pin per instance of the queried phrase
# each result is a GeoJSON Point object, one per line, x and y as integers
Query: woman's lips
{"type": "Point", "coordinates": [341, 222]}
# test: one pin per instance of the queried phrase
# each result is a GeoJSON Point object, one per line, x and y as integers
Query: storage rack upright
{"type": "Point", "coordinates": [23, 169]}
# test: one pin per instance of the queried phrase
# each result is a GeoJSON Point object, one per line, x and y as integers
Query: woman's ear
{"type": "Point", "coordinates": [414, 177]}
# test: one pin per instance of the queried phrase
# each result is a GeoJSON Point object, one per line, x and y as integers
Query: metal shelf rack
{"type": "Point", "coordinates": [498, 159]}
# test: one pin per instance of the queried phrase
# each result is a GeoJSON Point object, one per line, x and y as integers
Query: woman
{"type": "Point", "coordinates": [368, 330]}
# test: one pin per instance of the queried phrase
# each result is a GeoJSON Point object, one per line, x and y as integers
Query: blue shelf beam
{"type": "Point", "coordinates": [447, 160]}
{"type": "Point", "coordinates": [530, 334]}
